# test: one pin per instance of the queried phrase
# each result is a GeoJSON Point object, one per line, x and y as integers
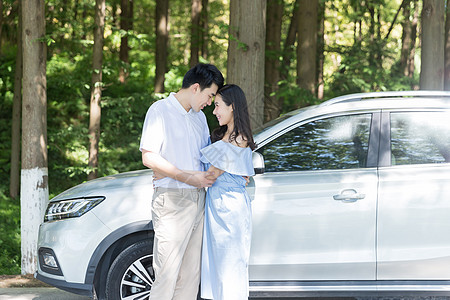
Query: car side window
{"type": "Point", "coordinates": [334, 143]}
{"type": "Point", "coordinates": [420, 138]}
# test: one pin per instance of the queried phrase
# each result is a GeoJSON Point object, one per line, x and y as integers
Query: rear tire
{"type": "Point", "coordinates": [131, 273]}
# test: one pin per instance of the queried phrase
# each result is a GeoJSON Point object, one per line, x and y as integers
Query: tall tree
{"type": "Point", "coordinates": [272, 104]}
{"type": "Point", "coordinates": [162, 38]}
{"type": "Point", "coordinates": [307, 45]}
{"type": "Point", "coordinates": [246, 53]}
{"type": "Point", "coordinates": [404, 4]}
{"type": "Point", "coordinates": [196, 10]}
{"type": "Point", "coordinates": [126, 23]}
{"type": "Point", "coordinates": [96, 89]}
{"type": "Point", "coordinates": [14, 183]}
{"type": "Point", "coordinates": [374, 34]}
{"type": "Point", "coordinates": [1, 24]}
{"type": "Point", "coordinates": [406, 38]}
{"type": "Point", "coordinates": [320, 50]}
{"type": "Point", "coordinates": [34, 174]}
{"type": "Point", "coordinates": [412, 53]}
{"type": "Point", "coordinates": [84, 17]}
{"type": "Point", "coordinates": [204, 29]}
{"type": "Point", "coordinates": [447, 49]}
{"type": "Point", "coordinates": [288, 48]}
{"type": "Point", "coordinates": [432, 59]}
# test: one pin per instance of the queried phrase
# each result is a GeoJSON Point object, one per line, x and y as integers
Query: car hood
{"type": "Point", "coordinates": [97, 187]}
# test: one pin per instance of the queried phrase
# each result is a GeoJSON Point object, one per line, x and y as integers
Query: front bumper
{"type": "Point", "coordinates": [76, 288]}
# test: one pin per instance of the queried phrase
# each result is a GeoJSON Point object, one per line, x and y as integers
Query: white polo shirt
{"type": "Point", "coordinates": [176, 135]}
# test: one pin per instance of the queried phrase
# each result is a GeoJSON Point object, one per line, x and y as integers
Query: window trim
{"type": "Point", "coordinates": [374, 140]}
{"type": "Point", "coordinates": [374, 135]}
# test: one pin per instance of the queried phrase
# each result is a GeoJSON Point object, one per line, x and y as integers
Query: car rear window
{"type": "Point", "coordinates": [420, 138]}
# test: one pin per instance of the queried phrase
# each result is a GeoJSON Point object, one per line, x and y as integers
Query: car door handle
{"type": "Point", "coordinates": [349, 195]}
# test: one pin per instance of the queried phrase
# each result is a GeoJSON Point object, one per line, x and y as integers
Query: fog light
{"type": "Point", "coordinates": [48, 261]}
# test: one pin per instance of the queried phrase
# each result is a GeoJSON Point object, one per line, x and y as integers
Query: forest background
{"type": "Point", "coordinates": [314, 50]}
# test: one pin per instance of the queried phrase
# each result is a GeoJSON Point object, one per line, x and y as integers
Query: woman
{"type": "Point", "coordinates": [227, 229]}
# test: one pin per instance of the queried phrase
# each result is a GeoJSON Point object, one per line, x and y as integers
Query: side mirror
{"type": "Point", "coordinates": [258, 163]}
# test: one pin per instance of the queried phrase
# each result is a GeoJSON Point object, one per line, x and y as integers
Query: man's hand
{"type": "Point", "coordinates": [158, 176]}
{"type": "Point", "coordinates": [162, 168]}
{"type": "Point", "coordinates": [197, 179]}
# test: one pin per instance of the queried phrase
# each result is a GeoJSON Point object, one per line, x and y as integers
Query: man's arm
{"type": "Point", "coordinates": [214, 173]}
{"type": "Point", "coordinates": [161, 166]}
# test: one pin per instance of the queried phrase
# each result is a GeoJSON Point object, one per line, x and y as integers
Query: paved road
{"type": "Point", "coordinates": [37, 294]}
{"type": "Point", "coordinates": [57, 294]}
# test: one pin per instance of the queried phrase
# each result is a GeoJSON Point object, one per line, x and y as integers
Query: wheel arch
{"type": "Point", "coordinates": [110, 247]}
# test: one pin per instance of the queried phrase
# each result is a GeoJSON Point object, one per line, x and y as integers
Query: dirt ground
{"type": "Point", "coordinates": [11, 281]}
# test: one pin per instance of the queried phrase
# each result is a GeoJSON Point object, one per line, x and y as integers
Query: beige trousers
{"type": "Point", "coordinates": [177, 216]}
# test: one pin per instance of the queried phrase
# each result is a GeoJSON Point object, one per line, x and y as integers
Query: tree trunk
{"type": "Point", "coordinates": [34, 174]}
{"type": "Point", "coordinates": [125, 25]}
{"type": "Point", "coordinates": [84, 17]}
{"type": "Point", "coordinates": [404, 5]}
{"type": "Point", "coordinates": [75, 17]}
{"type": "Point", "coordinates": [412, 53]}
{"type": "Point", "coordinates": [447, 49]}
{"type": "Point", "coordinates": [96, 89]}
{"type": "Point", "coordinates": [406, 39]}
{"type": "Point", "coordinates": [205, 30]}
{"type": "Point", "coordinates": [14, 184]}
{"type": "Point", "coordinates": [307, 45]}
{"type": "Point", "coordinates": [196, 10]}
{"type": "Point", "coordinates": [1, 24]}
{"type": "Point", "coordinates": [433, 27]}
{"type": "Point", "coordinates": [288, 48]}
{"type": "Point", "coordinates": [246, 53]}
{"type": "Point", "coordinates": [321, 56]}
{"type": "Point", "coordinates": [272, 105]}
{"type": "Point", "coordinates": [131, 14]}
{"type": "Point", "coordinates": [373, 60]}
{"type": "Point", "coordinates": [162, 38]}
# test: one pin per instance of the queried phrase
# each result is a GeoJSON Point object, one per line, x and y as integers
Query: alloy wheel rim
{"type": "Point", "coordinates": [137, 281]}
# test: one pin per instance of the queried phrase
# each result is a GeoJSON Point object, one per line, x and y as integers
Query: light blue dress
{"type": "Point", "coordinates": [227, 229]}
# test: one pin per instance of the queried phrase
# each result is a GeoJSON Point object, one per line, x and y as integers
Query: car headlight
{"type": "Point", "coordinates": [71, 208]}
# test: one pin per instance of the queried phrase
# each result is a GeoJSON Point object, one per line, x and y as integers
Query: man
{"type": "Point", "coordinates": [175, 129]}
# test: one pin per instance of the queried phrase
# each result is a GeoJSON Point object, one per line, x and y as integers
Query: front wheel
{"type": "Point", "coordinates": [131, 275]}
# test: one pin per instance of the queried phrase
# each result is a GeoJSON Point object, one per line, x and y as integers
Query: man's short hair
{"type": "Point", "coordinates": [203, 74]}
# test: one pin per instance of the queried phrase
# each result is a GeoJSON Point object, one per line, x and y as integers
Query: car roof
{"type": "Point", "coordinates": [398, 95]}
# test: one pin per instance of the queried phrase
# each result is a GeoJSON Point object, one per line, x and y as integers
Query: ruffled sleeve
{"type": "Point", "coordinates": [229, 158]}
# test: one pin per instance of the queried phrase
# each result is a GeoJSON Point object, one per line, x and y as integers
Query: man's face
{"type": "Point", "coordinates": [202, 98]}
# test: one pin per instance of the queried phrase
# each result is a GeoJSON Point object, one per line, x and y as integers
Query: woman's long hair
{"type": "Point", "coordinates": [233, 95]}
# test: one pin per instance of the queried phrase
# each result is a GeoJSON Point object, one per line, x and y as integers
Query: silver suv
{"type": "Point", "coordinates": [351, 196]}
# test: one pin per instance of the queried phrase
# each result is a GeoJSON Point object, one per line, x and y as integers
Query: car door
{"type": "Point", "coordinates": [414, 197]}
{"type": "Point", "coordinates": [314, 208]}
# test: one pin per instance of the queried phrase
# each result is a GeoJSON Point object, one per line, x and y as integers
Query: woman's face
{"type": "Point", "coordinates": [222, 111]}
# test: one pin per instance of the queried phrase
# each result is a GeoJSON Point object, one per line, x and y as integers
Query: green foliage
{"type": "Point", "coordinates": [123, 113]}
{"type": "Point", "coordinates": [361, 58]}
{"type": "Point", "coordinates": [9, 234]}
{"type": "Point", "coordinates": [362, 70]}
{"type": "Point", "coordinates": [294, 97]}
{"type": "Point", "coordinates": [7, 67]}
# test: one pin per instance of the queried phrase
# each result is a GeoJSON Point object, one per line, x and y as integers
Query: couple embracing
{"type": "Point", "coordinates": [200, 234]}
